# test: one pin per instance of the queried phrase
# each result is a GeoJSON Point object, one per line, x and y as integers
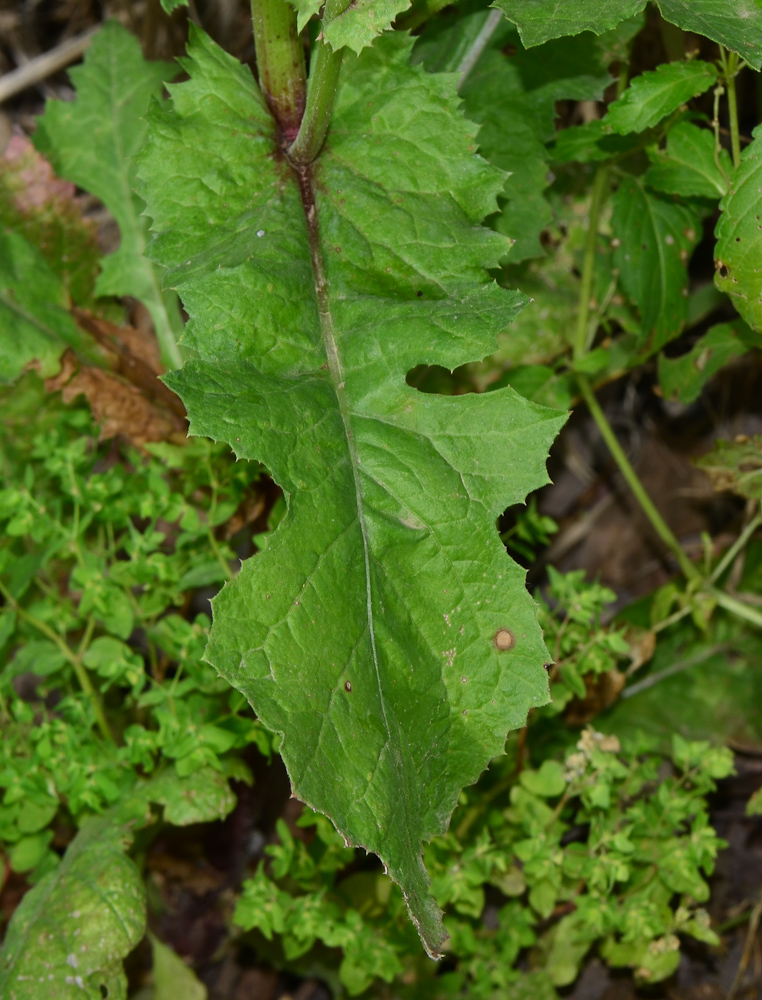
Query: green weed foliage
{"type": "Point", "coordinates": [388, 320]}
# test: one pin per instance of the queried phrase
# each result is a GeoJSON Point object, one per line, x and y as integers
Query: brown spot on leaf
{"type": "Point", "coordinates": [504, 639]}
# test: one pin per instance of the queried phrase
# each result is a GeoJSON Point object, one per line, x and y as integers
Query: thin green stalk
{"type": "Point", "coordinates": [730, 66]}
{"type": "Point", "coordinates": [735, 548]}
{"type": "Point", "coordinates": [75, 659]}
{"type": "Point", "coordinates": [736, 607]}
{"type": "Point", "coordinates": [675, 668]}
{"type": "Point", "coordinates": [478, 46]}
{"type": "Point", "coordinates": [280, 62]}
{"type": "Point", "coordinates": [600, 191]}
{"type": "Point", "coordinates": [631, 477]}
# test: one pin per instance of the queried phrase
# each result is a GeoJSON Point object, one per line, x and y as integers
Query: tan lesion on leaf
{"type": "Point", "coordinates": [504, 639]}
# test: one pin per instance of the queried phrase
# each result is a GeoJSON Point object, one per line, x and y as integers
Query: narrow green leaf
{"type": "Point", "coordinates": [736, 24]}
{"type": "Point", "coordinates": [35, 324]}
{"type": "Point", "coordinates": [171, 5]}
{"type": "Point", "coordinates": [657, 93]}
{"type": "Point", "coordinates": [683, 378]}
{"type": "Point", "coordinates": [540, 20]}
{"type": "Point", "coordinates": [690, 166]}
{"type": "Point", "coordinates": [172, 978]}
{"type": "Point", "coordinates": [384, 632]}
{"type": "Point", "coordinates": [739, 236]}
{"type": "Point", "coordinates": [653, 240]}
{"type": "Point", "coordinates": [92, 141]}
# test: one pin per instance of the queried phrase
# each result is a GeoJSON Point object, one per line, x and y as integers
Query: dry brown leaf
{"type": "Point", "coordinates": [602, 691]}
{"type": "Point", "coordinates": [120, 408]}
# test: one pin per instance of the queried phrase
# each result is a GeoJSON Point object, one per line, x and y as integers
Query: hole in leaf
{"type": "Point", "coordinates": [347, 686]}
{"type": "Point", "coordinates": [434, 379]}
{"type": "Point", "coordinates": [104, 991]}
{"type": "Point", "coordinates": [723, 271]}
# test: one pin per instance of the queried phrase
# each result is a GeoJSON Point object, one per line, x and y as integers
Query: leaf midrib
{"type": "Point", "coordinates": [336, 371]}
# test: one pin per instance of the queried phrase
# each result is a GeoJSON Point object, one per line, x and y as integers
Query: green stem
{"type": "Point", "coordinates": [321, 94]}
{"type": "Point", "coordinates": [730, 67]}
{"type": "Point", "coordinates": [280, 62]}
{"type": "Point", "coordinates": [325, 66]}
{"type": "Point", "coordinates": [600, 190]}
{"type": "Point", "coordinates": [75, 659]}
{"type": "Point", "coordinates": [631, 477]}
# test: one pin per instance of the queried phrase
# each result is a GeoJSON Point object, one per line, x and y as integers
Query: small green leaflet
{"type": "Point", "coordinates": [355, 27]}
{"type": "Point", "coordinates": [171, 5]}
{"type": "Point", "coordinates": [684, 377]}
{"type": "Point", "coordinates": [361, 22]}
{"type": "Point", "coordinates": [736, 24]}
{"type": "Point", "coordinates": [540, 20]}
{"type": "Point", "coordinates": [690, 165]}
{"type": "Point", "coordinates": [736, 466]}
{"type": "Point", "coordinates": [739, 236]}
{"type": "Point", "coordinates": [92, 141]}
{"type": "Point", "coordinates": [653, 239]}
{"type": "Point", "coordinates": [384, 632]}
{"type": "Point", "coordinates": [657, 93]}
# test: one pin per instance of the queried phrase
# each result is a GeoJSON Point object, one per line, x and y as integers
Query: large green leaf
{"type": "Point", "coordinates": [92, 141]}
{"type": "Point", "coordinates": [690, 166]}
{"type": "Point", "coordinates": [739, 236]}
{"type": "Point", "coordinates": [734, 23]}
{"type": "Point", "coordinates": [657, 93]}
{"type": "Point", "coordinates": [540, 20]}
{"type": "Point", "coordinates": [654, 238]}
{"type": "Point", "coordinates": [384, 632]}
